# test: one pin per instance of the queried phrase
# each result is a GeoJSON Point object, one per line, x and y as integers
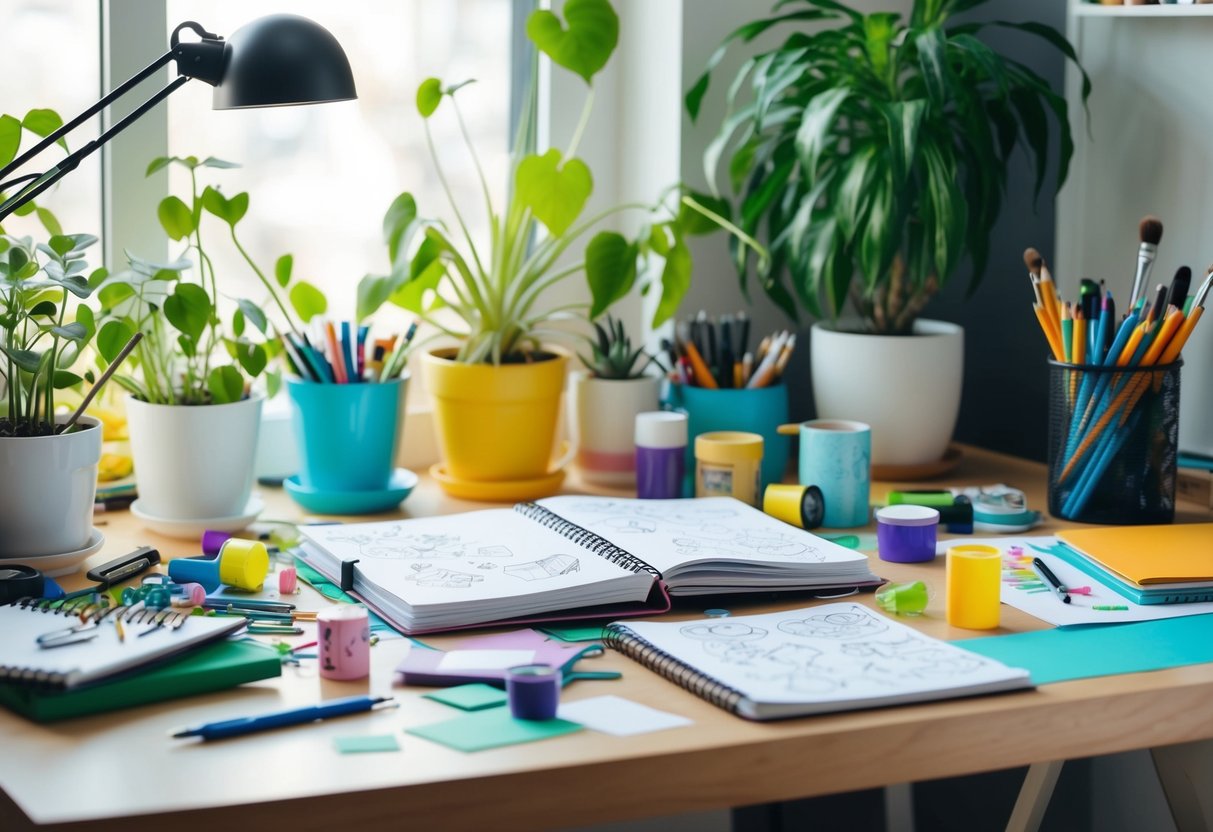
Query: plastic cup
{"type": "Point", "coordinates": [973, 579]}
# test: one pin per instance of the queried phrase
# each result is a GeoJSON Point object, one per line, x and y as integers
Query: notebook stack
{"type": "Point", "coordinates": [1170, 564]}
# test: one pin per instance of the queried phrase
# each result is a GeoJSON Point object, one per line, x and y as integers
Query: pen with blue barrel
{"type": "Point", "coordinates": [280, 719]}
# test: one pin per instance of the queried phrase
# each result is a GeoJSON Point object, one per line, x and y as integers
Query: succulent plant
{"type": "Point", "coordinates": [612, 353]}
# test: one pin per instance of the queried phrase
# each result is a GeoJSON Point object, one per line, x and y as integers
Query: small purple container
{"type": "Point", "coordinates": [533, 691]}
{"type": "Point", "coordinates": [661, 443]}
{"type": "Point", "coordinates": [906, 534]}
{"type": "Point", "coordinates": [212, 541]}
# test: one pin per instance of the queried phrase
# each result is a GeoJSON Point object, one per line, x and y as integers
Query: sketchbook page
{"type": "Point", "coordinates": [825, 658]}
{"type": "Point", "coordinates": [669, 534]}
{"type": "Point", "coordinates": [466, 558]}
{"type": "Point", "coordinates": [1024, 591]}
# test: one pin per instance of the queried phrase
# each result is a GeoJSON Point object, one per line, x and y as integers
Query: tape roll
{"type": "Point", "coordinates": [533, 691]}
{"type": "Point", "coordinates": [344, 636]}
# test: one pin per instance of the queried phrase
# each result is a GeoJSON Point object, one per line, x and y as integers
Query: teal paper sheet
{"type": "Point", "coordinates": [1082, 652]}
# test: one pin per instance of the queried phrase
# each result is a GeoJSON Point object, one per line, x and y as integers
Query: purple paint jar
{"type": "Point", "coordinates": [661, 442]}
{"type": "Point", "coordinates": [906, 534]}
{"type": "Point", "coordinates": [533, 691]}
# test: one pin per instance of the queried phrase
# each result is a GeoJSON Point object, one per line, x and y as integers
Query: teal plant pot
{"type": "Point", "coordinates": [346, 434]}
{"type": "Point", "coordinates": [761, 410]}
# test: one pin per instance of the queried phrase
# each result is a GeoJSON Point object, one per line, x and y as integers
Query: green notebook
{"type": "Point", "coordinates": [215, 666]}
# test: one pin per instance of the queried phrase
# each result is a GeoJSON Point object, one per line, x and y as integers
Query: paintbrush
{"type": "Point", "coordinates": [1044, 287]}
{"type": "Point", "coordinates": [1179, 287]}
{"type": "Point", "coordinates": [1150, 231]}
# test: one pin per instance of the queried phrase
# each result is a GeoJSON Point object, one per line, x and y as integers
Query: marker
{"type": "Point", "coordinates": [280, 719]}
{"type": "Point", "coordinates": [1110, 607]}
{"type": "Point", "coordinates": [1047, 574]}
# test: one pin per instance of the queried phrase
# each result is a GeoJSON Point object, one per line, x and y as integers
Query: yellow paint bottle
{"type": "Point", "coordinates": [728, 464]}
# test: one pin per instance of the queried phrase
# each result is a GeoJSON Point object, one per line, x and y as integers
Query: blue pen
{"type": "Point", "coordinates": [296, 716]}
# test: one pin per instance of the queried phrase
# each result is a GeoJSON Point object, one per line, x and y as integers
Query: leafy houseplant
{"type": "Point", "coordinates": [872, 156]}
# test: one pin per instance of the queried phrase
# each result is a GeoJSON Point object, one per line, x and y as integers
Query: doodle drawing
{"type": "Point", "coordinates": [549, 567]}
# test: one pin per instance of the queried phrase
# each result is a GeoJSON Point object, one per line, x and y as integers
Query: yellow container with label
{"type": "Point", "coordinates": [729, 464]}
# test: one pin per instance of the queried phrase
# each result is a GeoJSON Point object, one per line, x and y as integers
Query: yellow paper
{"type": "Point", "coordinates": [1147, 555]}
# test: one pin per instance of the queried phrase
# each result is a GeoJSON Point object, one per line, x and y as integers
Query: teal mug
{"type": "Point", "coordinates": [759, 410]}
{"type": "Point", "coordinates": [346, 433]}
{"type": "Point", "coordinates": [836, 456]}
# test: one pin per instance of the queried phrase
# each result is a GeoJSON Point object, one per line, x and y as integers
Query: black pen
{"type": "Point", "coordinates": [1047, 574]}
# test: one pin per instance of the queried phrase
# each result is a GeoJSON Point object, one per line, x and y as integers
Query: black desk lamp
{"type": "Point", "coordinates": [274, 61]}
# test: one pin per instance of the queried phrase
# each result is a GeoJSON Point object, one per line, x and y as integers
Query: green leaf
{"type": "Point", "coordinates": [188, 309]}
{"type": "Point", "coordinates": [49, 221]}
{"type": "Point", "coordinates": [904, 119]}
{"type": "Point", "coordinates": [176, 218]}
{"type": "Point", "coordinates": [75, 284]}
{"type": "Point", "coordinates": [72, 332]}
{"type": "Point", "coordinates": [555, 194]}
{"type": "Point", "coordinates": [98, 277]}
{"type": "Point", "coordinates": [307, 300]}
{"type": "Point", "coordinates": [226, 385]}
{"type": "Point", "coordinates": [27, 360]}
{"type": "Point", "coordinates": [373, 292]}
{"type": "Point", "coordinates": [64, 379]}
{"type": "Point", "coordinates": [932, 60]}
{"type": "Point", "coordinates": [113, 337]}
{"type": "Point", "coordinates": [282, 269]}
{"type": "Point", "coordinates": [44, 309]}
{"type": "Point", "coordinates": [273, 383]}
{"type": "Point", "coordinates": [43, 123]}
{"type": "Point", "coordinates": [159, 163]}
{"type": "Point", "coordinates": [610, 269]}
{"type": "Point", "coordinates": [399, 225]}
{"type": "Point", "coordinates": [114, 293]}
{"type": "Point", "coordinates": [1035, 130]}
{"type": "Point", "coordinates": [817, 125]}
{"type": "Point", "coordinates": [419, 294]}
{"type": "Point", "coordinates": [252, 358]}
{"type": "Point", "coordinates": [695, 223]}
{"type": "Point", "coordinates": [429, 96]}
{"type": "Point", "coordinates": [586, 45]}
{"type": "Point", "coordinates": [10, 139]}
{"type": "Point", "coordinates": [254, 314]}
{"type": "Point", "coordinates": [218, 164]}
{"type": "Point", "coordinates": [238, 322]}
{"type": "Point", "coordinates": [1055, 38]}
{"type": "Point", "coordinates": [675, 281]}
{"type": "Point", "coordinates": [229, 210]}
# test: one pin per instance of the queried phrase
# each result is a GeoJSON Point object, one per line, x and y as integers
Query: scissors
{"type": "Point", "coordinates": [568, 674]}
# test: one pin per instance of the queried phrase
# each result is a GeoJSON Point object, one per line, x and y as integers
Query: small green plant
{"type": "Point", "coordinates": [611, 355]}
{"type": "Point", "coordinates": [497, 293]}
{"type": "Point", "coordinates": [872, 155]}
{"type": "Point", "coordinates": [189, 356]}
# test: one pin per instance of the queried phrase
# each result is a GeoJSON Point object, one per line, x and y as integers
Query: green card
{"type": "Point", "coordinates": [475, 697]}
{"type": "Point", "coordinates": [574, 633]}
{"type": "Point", "coordinates": [364, 744]}
{"type": "Point", "coordinates": [492, 728]}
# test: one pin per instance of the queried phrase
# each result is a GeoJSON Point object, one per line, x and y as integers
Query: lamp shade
{"type": "Point", "coordinates": [283, 59]}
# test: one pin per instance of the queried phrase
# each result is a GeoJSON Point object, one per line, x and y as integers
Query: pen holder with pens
{"type": "Point", "coordinates": [1113, 443]}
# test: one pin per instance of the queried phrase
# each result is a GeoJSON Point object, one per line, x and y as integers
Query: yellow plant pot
{"type": "Point", "coordinates": [496, 423]}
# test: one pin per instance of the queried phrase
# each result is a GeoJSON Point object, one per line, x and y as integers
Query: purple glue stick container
{"type": "Point", "coordinates": [906, 534]}
{"type": "Point", "coordinates": [661, 443]}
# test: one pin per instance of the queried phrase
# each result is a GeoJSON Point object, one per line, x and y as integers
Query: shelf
{"type": "Point", "coordinates": [1169, 10]}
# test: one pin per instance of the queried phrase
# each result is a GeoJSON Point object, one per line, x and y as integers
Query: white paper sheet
{"type": "Point", "coordinates": [619, 717]}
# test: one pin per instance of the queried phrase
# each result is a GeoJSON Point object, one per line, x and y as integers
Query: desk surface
{"type": "Point", "coordinates": [91, 772]}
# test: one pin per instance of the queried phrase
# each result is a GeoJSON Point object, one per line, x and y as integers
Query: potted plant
{"type": "Point", "coordinates": [606, 396]}
{"type": "Point", "coordinates": [497, 394]}
{"type": "Point", "coordinates": [872, 158]}
{"type": "Point", "coordinates": [193, 415]}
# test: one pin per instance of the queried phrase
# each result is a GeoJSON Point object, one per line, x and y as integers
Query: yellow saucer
{"type": "Point", "coordinates": [501, 491]}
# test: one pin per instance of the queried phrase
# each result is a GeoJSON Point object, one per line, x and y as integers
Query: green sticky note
{"type": "Point", "coordinates": [491, 728]}
{"type": "Point", "coordinates": [475, 697]}
{"type": "Point", "coordinates": [574, 633]}
{"type": "Point", "coordinates": [364, 744]}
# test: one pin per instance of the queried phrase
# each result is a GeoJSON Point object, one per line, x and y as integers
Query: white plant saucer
{"type": "Point", "coordinates": [54, 566]}
{"type": "Point", "coordinates": [187, 529]}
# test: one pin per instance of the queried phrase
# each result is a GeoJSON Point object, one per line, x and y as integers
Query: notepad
{"type": "Point", "coordinates": [833, 657]}
{"type": "Point", "coordinates": [94, 643]}
{"type": "Point", "coordinates": [1150, 555]}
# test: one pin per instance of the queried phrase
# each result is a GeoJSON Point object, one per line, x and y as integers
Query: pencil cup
{"type": "Point", "coordinates": [973, 579]}
{"type": "Point", "coordinates": [1113, 443]}
{"type": "Point", "coordinates": [346, 433]}
{"type": "Point", "coordinates": [836, 456]}
{"type": "Point", "coordinates": [759, 410]}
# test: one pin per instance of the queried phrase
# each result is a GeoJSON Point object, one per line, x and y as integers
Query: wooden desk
{"type": "Point", "coordinates": [121, 771]}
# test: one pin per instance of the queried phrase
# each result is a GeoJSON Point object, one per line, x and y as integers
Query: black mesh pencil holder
{"type": "Point", "coordinates": [1113, 443]}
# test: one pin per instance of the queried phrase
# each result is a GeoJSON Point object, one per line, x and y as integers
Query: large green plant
{"type": "Point", "coordinates": [872, 156]}
{"type": "Point", "coordinates": [497, 292]}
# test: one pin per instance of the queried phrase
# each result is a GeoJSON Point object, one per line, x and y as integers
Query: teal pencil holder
{"type": "Point", "coordinates": [346, 433]}
{"type": "Point", "coordinates": [761, 410]}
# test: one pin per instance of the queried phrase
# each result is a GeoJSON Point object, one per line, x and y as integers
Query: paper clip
{"type": "Point", "coordinates": [77, 633]}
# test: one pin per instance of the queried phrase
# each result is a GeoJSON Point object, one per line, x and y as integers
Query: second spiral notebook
{"type": "Point", "coordinates": [572, 557]}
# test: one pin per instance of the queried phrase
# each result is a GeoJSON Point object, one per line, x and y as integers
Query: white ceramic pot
{"type": "Point", "coordinates": [907, 387]}
{"type": "Point", "coordinates": [194, 462]}
{"type": "Point", "coordinates": [47, 486]}
{"type": "Point", "coordinates": [604, 418]}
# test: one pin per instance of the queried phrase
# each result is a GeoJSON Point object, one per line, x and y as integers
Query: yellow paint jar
{"type": "Point", "coordinates": [728, 464]}
{"type": "Point", "coordinates": [974, 574]}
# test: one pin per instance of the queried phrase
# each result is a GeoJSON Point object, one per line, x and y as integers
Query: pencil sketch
{"type": "Point", "coordinates": [497, 551]}
{"type": "Point", "coordinates": [728, 641]}
{"type": "Point", "coordinates": [918, 658]}
{"type": "Point", "coordinates": [635, 517]}
{"type": "Point", "coordinates": [748, 543]}
{"type": "Point", "coordinates": [389, 544]}
{"type": "Point", "coordinates": [836, 625]}
{"type": "Point", "coordinates": [550, 567]}
{"type": "Point", "coordinates": [437, 576]}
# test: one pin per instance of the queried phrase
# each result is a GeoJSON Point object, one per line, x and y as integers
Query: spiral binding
{"type": "Point", "coordinates": [584, 537]}
{"type": "Point", "coordinates": [619, 638]}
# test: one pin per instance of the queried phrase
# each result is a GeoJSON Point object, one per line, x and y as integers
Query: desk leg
{"type": "Point", "coordinates": [1185, 772]}
{"type": "Point", "coordinates": [1034, 796]}
{"type": "Point", "coordinates": [899, 808]}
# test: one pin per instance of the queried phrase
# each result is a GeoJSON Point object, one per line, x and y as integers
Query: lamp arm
{"type": "Point", "coordinates": [69, 164]}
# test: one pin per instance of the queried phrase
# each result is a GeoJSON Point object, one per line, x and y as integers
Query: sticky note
{"type": "Point", "coordinates": [618, 716]}
{"type": "Point", "coordinates": [492, 728]}
{"type": "Point", "coordinates": [484, 659]}
{"type": "Point", "coordinates": [364, 744]}
{"type": "Point", "coordinates": [574, 633]}
{"type": "Point", "coordinates": [469, 697]}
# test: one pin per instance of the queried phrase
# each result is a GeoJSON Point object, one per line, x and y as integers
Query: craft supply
{"type": "Point", "coordinates": [241, 563]}
{"type": "Point", "coordinates": [1048, 577]}
{"type": "Point", "coordinates": [189, 595]}
{"type": "Point", "coordinates": [474, 697]}
{"type": "Point", "coordinates": [1150, 233]}
{"type": "Point", "coordinates": [17, 582]}
{"type": "Point", "coordinates": [1110, 607]}
{"type": "Point", "coordinates": [820, 659]}
{"type": "Point", "coordinates": [288, 581]}
{"type": "Point", "coordinates": [906, 533]}
{"type": "Point", "coordinates": [716, 353]}
{"type": "Point", "coordinates": [280, 719]}
{"type": "Point", "coordinates": [533, 691]}
{"type": "Point", "coordinates": [366, 744]}
{"type": "Point", "coordinates": [344, 634]}
{"type": "Point", "coordinates": [759, 411]}
{"type": "Point", "coordinates": [1149, 555]}
{"type": "Point", "coordinates": [491, 728]}
{"type": "Point", "coordinates": [488, 659]}
{"type": "Point", "coordinates": [801, 505]}
{"type": "Point", "coordinates": [903, 599]}
{"type": "Point", "coordinates": [835, 455]}
{"type": "Point", "coordinates": [973, 577]}
{"type": "Point", "coordinates": [213, 540]}
{"type": "Point", "coordinates": [619, 717]}
{"type": "Point", "coordinates": [661, 442]}
{"type": "Point", "coordinates": [728, 464]}
{"type": "Point", "coordinates": [575, 552]}
{"type": "Point", "coordinates": [573, 633]}
{"type": "Point", "coordinates": [716, 612]}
